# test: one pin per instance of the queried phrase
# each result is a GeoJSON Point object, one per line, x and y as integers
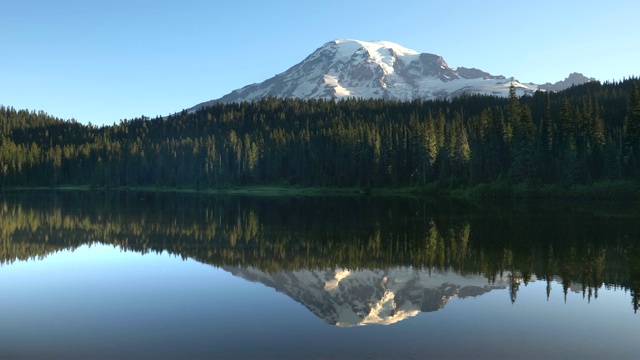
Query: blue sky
{"type": "Point", "coordinates": [102, 61]}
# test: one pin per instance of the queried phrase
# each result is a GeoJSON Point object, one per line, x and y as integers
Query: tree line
{"type": "Point", "coordinates": [586, 134]}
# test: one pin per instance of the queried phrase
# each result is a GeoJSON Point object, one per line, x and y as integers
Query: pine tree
{"type": "Point", "coordinates": [631, 151]}
{"type": "Point", "coordinates": [565, 149]}
{"type": "Point", "coordinates": [523, 147]}
{"type": "Point", "coordinates": [545, 142]}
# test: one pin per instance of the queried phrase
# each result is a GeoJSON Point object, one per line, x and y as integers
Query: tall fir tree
{"type": "Point", "coordinates": [631, 130]}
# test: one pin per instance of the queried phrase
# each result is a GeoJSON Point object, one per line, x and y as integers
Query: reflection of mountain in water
{"type": "Point", "coordinates": [581, 248]}
{"type": "Point", "coordinates": [363, 297]}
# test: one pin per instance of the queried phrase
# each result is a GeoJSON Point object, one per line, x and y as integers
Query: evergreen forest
{"type": "Point", "coordinates": [585, 135]}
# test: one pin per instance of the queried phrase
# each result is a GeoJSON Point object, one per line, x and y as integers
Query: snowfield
{"type": "Point", "coordinates": [381, 69]}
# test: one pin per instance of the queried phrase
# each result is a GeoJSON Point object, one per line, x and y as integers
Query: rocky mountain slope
{"type": "Point", "coordinates": [381, 69]}
{"type": "Point", "coordinates": [363, 297]}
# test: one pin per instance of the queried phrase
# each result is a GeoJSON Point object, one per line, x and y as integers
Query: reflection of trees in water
{"type": "Point", "coordinates": [634, 274]}
{"type": "Point", "coordinates": [581, 249]}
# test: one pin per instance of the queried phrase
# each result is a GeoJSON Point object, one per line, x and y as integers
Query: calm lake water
{"type": "Point", "coordinates": [148, 276]}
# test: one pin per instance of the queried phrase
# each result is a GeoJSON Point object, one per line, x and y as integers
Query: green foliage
{"type": "Point", "coordinates": [586, 134]}
{"type": "Point", "coordinates": [632, 134]}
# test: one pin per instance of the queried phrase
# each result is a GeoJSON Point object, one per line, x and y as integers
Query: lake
{"type": "Point", "coordinates": [170, 276]}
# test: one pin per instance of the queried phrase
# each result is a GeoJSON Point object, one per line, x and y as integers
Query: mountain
{"type": "Point", "coordinates": [571, 80]}
{"type": "Point", "coordinates": [381, 69]}
{"type": "Point", "coordinates": [348, 298]}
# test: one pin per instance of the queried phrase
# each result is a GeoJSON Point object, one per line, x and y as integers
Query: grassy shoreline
{"type": "Point", "coordinates": [255, 190]}
{"type": "Point", "coordinates": [601, 191]}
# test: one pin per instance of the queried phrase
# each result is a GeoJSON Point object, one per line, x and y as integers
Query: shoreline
{"type": "Point", "coordinates": [618, 191]}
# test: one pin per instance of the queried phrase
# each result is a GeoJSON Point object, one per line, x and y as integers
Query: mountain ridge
{"type": "Point", "coordinates": [347, 68]}
{"type": "Point", "coordinates": [347, 298]}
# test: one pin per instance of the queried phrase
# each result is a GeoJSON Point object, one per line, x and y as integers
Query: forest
{"type": "Point", "coordinates": [585, 135]}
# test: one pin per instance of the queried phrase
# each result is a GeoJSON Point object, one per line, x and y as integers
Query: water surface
{"type": "Point", "coordinates": [135, 275]}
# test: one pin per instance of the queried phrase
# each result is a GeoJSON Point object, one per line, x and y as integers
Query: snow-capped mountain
{"type": "Point", "coordinates": [381, 69]}
{"type": "Point", "coordinates": [362, 297]}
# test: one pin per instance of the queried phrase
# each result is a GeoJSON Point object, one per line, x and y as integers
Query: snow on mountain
{"type": "Point", "coordinates": [380, 69]}
{"type": "Point", "coordinates": [363, 297]}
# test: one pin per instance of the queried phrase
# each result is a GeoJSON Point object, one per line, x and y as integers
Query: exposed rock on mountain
{"type": "Point", "coordinates": [362, 297]}
{"type": "Point", "coordinates": [381, 69]}
{"type": "Point", "coordinates": [571, 80]}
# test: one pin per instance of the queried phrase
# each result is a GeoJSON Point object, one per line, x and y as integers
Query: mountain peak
{"type": "Point", "coordinates": [362, 297]}
{"type": "Point", "coordinates": [372, 46]}
{"type": "Point", "coordinates": [574, 78]}
{"type": "Point", "coordinates": [345, 68]}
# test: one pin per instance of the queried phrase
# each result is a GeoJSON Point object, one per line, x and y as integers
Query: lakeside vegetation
{"type": "Point", "coordinates": [619, 191]}
{"type": "Point", "coordinates": [582, 142]}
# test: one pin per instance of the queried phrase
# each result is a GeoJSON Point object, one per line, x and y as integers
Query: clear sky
{"type": "Point", "coordinates": [102, 61]}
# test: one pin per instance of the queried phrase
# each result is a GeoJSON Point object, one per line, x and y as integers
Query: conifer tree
{"type": "Point", "coordinates": [631, 156]}
{"type": "Point", "coordinates": [523, 147]}
{"type": "Point", "coordinates": [545, 142]}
